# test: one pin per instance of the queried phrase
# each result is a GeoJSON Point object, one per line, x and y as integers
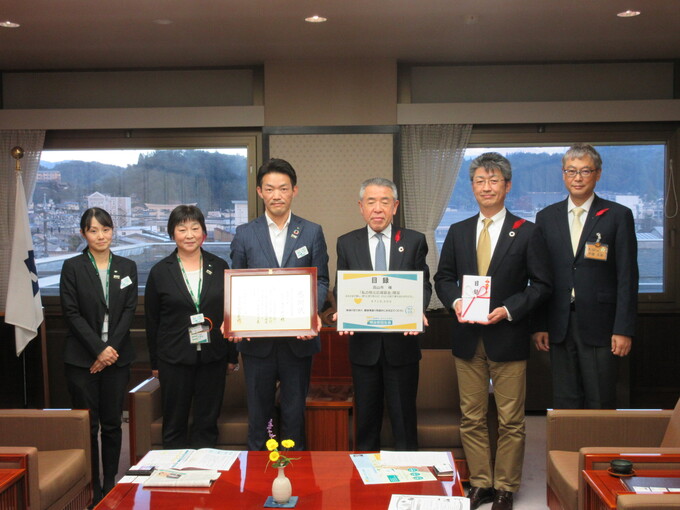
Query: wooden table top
{"type": "Point", "coordinates": [608, 487]}
{"type": "Point", "coordinates": [321, 480]}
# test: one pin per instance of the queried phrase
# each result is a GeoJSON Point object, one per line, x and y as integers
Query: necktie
{"type": "Point", "coordinates": [576, 228]}
{"type": "Point", "coordinates": [484, 248]}
{"type": "Point", "coordinates": [380, 258]}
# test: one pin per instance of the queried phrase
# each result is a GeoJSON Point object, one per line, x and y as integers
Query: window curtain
{"type": "Point", "coordinates": [32, 143]}
{"type": "Point", "coordinates": [431, 156]}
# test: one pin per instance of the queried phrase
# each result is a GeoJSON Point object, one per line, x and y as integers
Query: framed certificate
{"type": "Point", "coordinates": [378, 301]}
{"type": "Point", "coordinates": [270, 302]}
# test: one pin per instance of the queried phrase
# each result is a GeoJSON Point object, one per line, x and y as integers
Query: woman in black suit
{"type": "Point", "coordinates": [184, 299]}
{"type": "Point", "coordinates": [98, 297]}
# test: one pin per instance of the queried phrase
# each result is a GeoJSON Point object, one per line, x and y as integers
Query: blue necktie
{"type": "Point", "coordinates": [380, 257]}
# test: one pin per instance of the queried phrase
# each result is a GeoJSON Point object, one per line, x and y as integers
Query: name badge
{"type": "Point", "coordinates": [199, 334]}
{"type": "Point", "coordinates": [124, 282]}
{"type": "Point", "coordinates": [197, 318]}
{"type": "Point", "coordinates": [301, 252]}
{"type": "Point", "coordinates": [596, 251]}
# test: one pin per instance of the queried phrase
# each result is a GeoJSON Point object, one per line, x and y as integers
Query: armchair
{"type": "Point", "coordinates": [574, 433]}
{"type": "Point", "coordinates": [146, 417]}
{"type": "Point", "coordinates": [54, 448]}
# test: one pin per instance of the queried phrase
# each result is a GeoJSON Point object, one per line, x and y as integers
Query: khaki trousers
{"type": "Point", "coordinates": [509, 387]}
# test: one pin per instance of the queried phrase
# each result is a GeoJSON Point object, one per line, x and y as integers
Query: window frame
{"type": "Point", "coordinates": [667, 134]}
{"type": "Point", "coordinates": [162, 139]}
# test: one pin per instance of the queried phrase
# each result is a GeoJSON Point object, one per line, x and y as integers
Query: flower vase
{"type": "Point", "coordinates": [281, 488]}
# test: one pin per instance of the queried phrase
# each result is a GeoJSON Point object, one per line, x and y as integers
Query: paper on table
{"type": "Point", "coordinates": [476, 298]}
{"type": "Point", "coordinates": [175, 478]}
{"type": "Point", "coordinates": [205, 458]}
{"type": "Point", "coordinates": [390, 458]}
{"type": "Point", "coordinates": [408, 502]}
{"type": "Point", "coordinates": [372, 472]}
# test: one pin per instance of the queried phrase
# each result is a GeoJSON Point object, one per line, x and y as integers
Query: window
{"type": "Point", "coordinates": [138, 187]}
{"type": "Point", "coordinates": [633, 175]}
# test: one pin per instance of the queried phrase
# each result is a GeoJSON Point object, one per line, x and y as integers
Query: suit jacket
{"type": "Point", "coordinates": [606, 291]}
{"type": "Point", "coordinates": [252, 248]}
{"type": "Point", "coordinates": [84, 305]}
{"type": "Point", "coordinates": [354, 254]}
{"type": "Point", "coordinates": [169, 306]}
{"type": "Point", "coordinates": [521, 280]}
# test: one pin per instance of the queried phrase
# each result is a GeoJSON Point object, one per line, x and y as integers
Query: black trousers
{"type": "Point", "coordinates": [262, 374]}
{"type": "Point", "coordinates": [584, 376]}
{"type": "Point", "coordinates": [103, 394]}
{"type": "Point", "coordinates": [398, 387]}
{"type": "Point", "coordinates": [200, 386]}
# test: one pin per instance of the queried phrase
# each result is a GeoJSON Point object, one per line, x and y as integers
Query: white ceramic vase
{"type": "Point", "coordinates": [281, 487]}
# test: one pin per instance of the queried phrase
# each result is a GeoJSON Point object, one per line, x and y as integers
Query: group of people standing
{"type": "Point", "coordinates": [570, 281]}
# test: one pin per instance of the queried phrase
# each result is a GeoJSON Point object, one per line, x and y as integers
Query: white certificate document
{"type": "Point", "coordinates": [271, 302]}
{"type": "Point", "coordinates": [476, 298]}
{"type": "Point", "coordinates": [378, 301]}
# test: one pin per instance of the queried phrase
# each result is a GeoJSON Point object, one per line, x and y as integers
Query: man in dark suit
{"type": "Point", "coordinates": [589, 321]}
{"type": "Point", "coordinates": [511, 251]}
{"type": "Point", "coordinates": [278, 238]}
{"type": "Point", "coordinates": [384, 365]}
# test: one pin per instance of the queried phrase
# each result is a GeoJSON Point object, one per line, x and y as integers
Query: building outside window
{"type": "Point", "coordinates": [138, 188]}
{"type": "Point", "coordinates": [632, 175]}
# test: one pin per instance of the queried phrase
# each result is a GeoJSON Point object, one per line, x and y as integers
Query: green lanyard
{"type": "Point", "coordinates": [108, 270]}
{"type": "Point", "coordinates": [195, 299]}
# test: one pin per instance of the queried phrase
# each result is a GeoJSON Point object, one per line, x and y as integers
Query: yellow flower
{"type": "Point", "coordinates": [272, 444]}
{"type": "Point", "coordinates": [274, 456]}
{"type": "Point", "coordinates": [288, 443]}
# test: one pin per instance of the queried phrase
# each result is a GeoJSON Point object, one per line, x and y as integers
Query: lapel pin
{"type": "Point", "coordinates": [208, 271]}
{"type": "Point", "coordinates": [511, 233]}
{"type": "Point", "coordinates": [295, 233]}
{"type": "Point", "coordinates": [401, 249]}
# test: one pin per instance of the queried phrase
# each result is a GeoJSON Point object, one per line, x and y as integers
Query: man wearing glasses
{"type": "Point", "coordinates": [589, 321]}
{"type": "Point", "coordinates": [511, 252]}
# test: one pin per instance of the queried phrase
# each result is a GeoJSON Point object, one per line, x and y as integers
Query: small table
{"type": "Point", "coordinates": [327, 416]}
{"type": "Point", "coordinates": [602, 489]}
{"type": "Point", "coordinates": [12, 494]}
{"type": "Point", "coordinates": [321, 480]}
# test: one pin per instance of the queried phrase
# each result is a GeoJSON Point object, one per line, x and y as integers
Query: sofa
{"type": "Point", "coordinates": [573, 434]}
{"type": "Point", "coordinates": [54, 448]}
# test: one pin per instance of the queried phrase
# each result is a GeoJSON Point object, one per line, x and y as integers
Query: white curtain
{"type": "Point", "coordinates": [32, 143]}
{"type": "Point", "coordinates": [431, 156]}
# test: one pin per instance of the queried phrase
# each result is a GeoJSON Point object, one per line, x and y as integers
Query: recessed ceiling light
{"type": "Point", "coordinates": [9, 24]}
{"type": "Point", "coordinates": [316, 19]}
{"type": "Point", "coordinates": [628, 14]}
{"type": "Point", "coordinates": [163, 21]}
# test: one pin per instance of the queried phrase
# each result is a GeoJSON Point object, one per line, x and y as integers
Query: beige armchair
{"type": "Point", "coordinates": [54, 447]}
{"type": "Point", "coordinates": [571, 434]}
{"type": "Point", "coordinates": [146, 417]}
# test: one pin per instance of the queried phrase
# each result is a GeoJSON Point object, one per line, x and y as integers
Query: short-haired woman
{"type": "Point", "coordinates": [184, 300]}
{"type": "Point", "coordinates": [98, 297]}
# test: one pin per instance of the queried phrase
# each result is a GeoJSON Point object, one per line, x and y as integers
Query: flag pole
{"type": "Point", "coordinates": [18, 153]}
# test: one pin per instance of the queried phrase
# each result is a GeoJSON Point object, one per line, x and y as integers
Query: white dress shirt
{"type": "Point", "coordinates": [278, 236]}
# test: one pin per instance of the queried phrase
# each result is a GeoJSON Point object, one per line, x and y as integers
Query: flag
{"type": "Point", "coordinates": [24, 308]}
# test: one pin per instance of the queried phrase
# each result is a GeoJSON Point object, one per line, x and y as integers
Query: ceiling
{"type": "Point", "coordinates": [122, 34]}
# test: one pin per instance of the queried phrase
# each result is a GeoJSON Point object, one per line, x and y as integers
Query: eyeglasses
{"type": "Point", "coordinates": [584, 172]}
{"type": "Point", "coordinates": [494, 181]}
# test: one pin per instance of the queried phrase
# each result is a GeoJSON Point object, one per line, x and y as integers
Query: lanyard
{"type": "Point", "coordinates": [195, 299]}
{"type": "Point", "coordinates": [108, 270]}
